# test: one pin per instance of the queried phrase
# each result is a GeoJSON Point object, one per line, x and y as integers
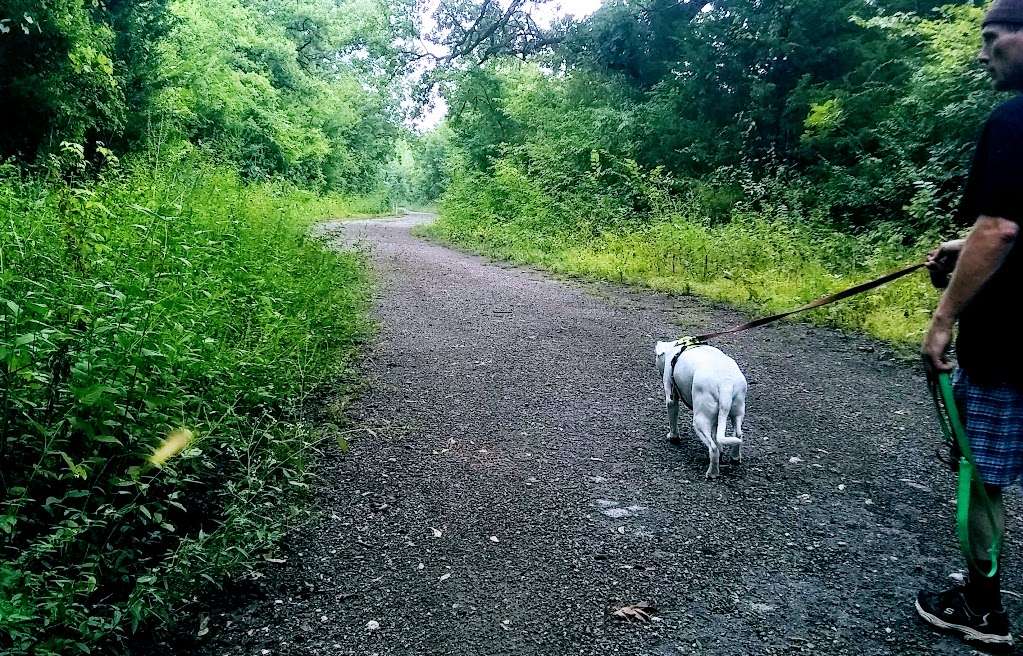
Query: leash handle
{"type": "Point", "coordinates": [970, 483]}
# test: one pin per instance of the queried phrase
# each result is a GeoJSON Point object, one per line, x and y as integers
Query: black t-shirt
{"type": "Point", "coordinates": [990, 347]}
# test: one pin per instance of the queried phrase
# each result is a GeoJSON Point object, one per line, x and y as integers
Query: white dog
{"type": "Point", "coordinates": [712, 386]}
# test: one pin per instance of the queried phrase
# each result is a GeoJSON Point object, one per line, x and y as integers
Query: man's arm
{"type": "Point", "coordinates": [982, 254]}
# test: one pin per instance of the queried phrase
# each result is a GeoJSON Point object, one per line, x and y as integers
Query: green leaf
{"type": "Point", "coordinates": [78, 471]}
{"type": "Point", "coordinates": [25, 339]}
{"type": "Point", "coordinates": [108, 439]}
{"type": "Point", "coordinates": [91, 395]}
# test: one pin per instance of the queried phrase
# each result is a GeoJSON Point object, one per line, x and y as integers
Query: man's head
{"type": "Point", "coordinates": [1002, 49]}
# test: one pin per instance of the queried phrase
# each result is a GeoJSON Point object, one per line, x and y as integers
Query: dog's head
{"type": "Point", "coordinates": [661, 352]}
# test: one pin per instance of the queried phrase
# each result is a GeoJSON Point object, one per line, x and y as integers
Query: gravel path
{"type": "Point", "coordinates": [515, 485]}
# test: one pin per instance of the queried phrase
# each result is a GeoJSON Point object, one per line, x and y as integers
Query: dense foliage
{"type": "Point", "coordinates": [160, 164]}
{"type": "Point", "coordinates": [300, 88]}
{"type": "Point", "coordinates": [845, 125]}
{"type": "Point", "coordinates": [153, 301]}
{"type": "Point", "coordinates": [157, 285]}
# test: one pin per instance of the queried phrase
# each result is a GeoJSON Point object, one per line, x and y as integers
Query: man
{"type": "Point", "coordinates": [982, 296]}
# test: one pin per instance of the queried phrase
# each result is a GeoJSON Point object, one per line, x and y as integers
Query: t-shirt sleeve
{"type": "Point", "coordinates": [999, 185]}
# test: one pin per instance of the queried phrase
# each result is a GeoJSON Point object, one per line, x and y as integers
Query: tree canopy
{"type": "Point", "coordinates": [307, 89]}
{"type": "Point", "coordinates": [874, 104]}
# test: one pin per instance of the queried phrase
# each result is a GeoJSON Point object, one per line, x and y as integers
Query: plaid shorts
{"type": "Point", "coordinates": [993, 417]}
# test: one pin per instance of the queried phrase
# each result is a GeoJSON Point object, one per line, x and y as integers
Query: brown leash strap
{"type": "Point", "coordinates": [826, 300]}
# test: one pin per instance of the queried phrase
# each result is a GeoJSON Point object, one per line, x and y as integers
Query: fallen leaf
{"type": "Point", "coordinates": [493, 538]}
{"type": "Point", "coordinates": [640, 612]}
{"type": "Point", "coordinates": [372, 625]}
{"type": "Point", "coordinates": [436, 532]}
{"type": "Point", "coordinates": [204, 626]}
{"type": "Point", "coordinates": [444, 577]}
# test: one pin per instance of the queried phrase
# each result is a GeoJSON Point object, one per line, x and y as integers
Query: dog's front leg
{"type": "Point", "coordinates": [671, 403]}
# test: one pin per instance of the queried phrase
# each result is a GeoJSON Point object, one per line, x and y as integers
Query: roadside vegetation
{"type": "Point", "coordinates": [759, 154]}
{"type": "Point", "coordinates": [148, 308]}
{"type": "Point", "coordinates": [164, 314]}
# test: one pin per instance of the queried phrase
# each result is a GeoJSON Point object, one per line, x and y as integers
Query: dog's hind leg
{"type": "Point", "coordinates": [723, 410]}
{"type": "Point", "coordinates": [738, 434]}
{"type": "Point", "coordinates": [704, 429]}
{"type": "Point", "coordinates": [739, 413]}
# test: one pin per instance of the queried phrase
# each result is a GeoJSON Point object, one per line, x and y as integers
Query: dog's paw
{"type": "Point", "coordinates": [674, 439]}
{"type": "Point", "coordinates": [713, 472]}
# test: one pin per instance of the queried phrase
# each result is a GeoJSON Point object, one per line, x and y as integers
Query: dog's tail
{"type": "Point", "coordinates": [724, 409]}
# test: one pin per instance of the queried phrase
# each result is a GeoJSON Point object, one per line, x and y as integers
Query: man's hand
{"type": "Point", "coordinates": [984, 251]}
{"type": "Point", "coordinates": [935, 346]}
{"type": "Point", "coordinates": [942, 260]}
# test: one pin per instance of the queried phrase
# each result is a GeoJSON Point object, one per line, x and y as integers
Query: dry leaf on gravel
{"type": "Point", "coordinates": [640, 612]}
{"type": "Point", "coordinates": [436, 532]}
{"type": "Point", "coordinates": [444, 577]}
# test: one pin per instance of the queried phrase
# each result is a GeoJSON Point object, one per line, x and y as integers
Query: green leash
{"type": "Point", "coordinates": [969, 480]}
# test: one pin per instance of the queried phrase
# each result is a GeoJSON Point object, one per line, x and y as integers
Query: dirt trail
{"type": "Point", "coordinates": [517, 485]}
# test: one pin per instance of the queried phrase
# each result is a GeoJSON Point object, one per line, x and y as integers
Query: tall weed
{"type": "Point", "coordinates": [162, 300]}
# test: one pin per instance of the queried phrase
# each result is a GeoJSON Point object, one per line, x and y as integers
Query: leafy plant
{"type": "Point", "coordinates": [156, 304]}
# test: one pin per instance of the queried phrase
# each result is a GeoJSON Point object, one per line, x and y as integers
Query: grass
{"type": "Point", "coordinates": [158, 302]}
{"type": "Point", "coordinates": [752, 262]}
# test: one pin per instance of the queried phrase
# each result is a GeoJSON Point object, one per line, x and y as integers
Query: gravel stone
{"type": "Point", "coordinates": [505, 401]}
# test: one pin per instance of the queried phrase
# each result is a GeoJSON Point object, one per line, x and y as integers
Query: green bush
{"type": "Point", "coordinates": [162, 300]}
{"type": "Point", "coordinates": [768, 253]}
